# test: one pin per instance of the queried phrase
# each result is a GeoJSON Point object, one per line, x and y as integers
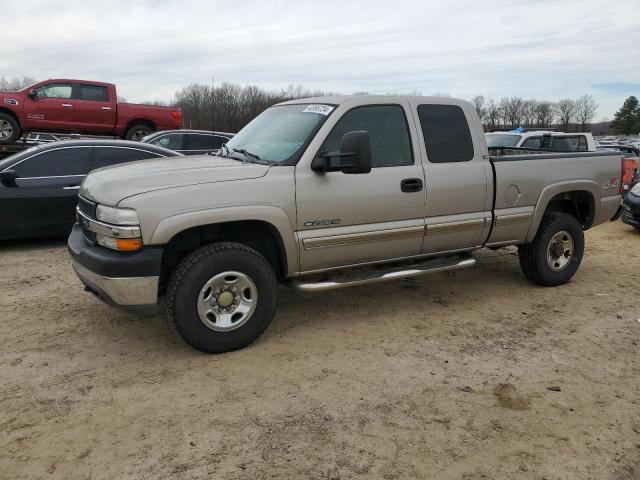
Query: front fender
{"type": "Point", "coordinates": [168, 227]}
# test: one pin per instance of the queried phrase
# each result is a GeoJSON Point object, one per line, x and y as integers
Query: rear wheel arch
{"type": "Point", "coordinates": [578, 200]}
{"type": "Point", "coordinates": [138, 122]}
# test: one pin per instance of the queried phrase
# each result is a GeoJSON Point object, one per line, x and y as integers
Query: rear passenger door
{"type": "Point", "coordinates": [44, 197]}
{"type": "Point", "coordinates": [457, 176]}
{"type": "Point", "coordinates": [94, 112]}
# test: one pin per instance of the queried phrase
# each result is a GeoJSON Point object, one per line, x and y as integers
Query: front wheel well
{"type": "Point", "coordinates": [578, 203]}
{"type": "Point", "coordinates": [259, 235]}
{"type": "Point", "coordinates": [11, 113]}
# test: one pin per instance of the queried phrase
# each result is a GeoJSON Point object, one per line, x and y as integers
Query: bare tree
{"type": "Point", "coordinates": [566, 110]}
{"type": "Point", "coordinates": [478, 103]}
{"type": "Point", "coordinates": [529, 112]}
{"type": "Point", "coordinates": [16, 83]}
{"type": "Point", "coordinates": [512, 111]}
{"type": "Point", "coordinates": [586, 108]}
{"type": "Point", "coordinates": [544, 114]}
{"type": "Point", "coordinates": [493, 113]}
{"type": "Point", "coordinates": [229, 107]}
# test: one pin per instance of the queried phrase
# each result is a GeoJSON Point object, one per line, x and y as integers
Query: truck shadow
{"type": "Point", "coordinates": [7, 246]}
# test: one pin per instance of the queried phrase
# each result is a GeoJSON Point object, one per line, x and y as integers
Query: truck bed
{"type": "Point", "coordinates": [523, 181]}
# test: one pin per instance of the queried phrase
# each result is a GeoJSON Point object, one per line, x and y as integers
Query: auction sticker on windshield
{"type": "Point", "coordinates": [321, 109]}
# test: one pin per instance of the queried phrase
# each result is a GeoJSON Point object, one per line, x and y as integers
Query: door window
{"type": "Point", "coordinates": [388, 132]}
{"type": "Point", "coordinates": [107, 156]}
{"type": "Point", "coordinates": [219, 141]}
{"type": "Point", "coordinates": [562, 143]}
{"type": "Point", "coordinates": [200, 142]}
{"type": "Point", "coordinates": [446, 133]}
{"type": "Point", "coordinates": [55, 90]}
{"type": "Point", "coordinates": [55, 163]}
{"type": "Point", "coordinates": [532, 142]}
{"type": "Point", "coordinates": [172, 141]}
{"type": "Point", "coordinates": [94, 93]}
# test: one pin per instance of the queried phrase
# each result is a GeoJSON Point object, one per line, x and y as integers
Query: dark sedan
{"type": "Point", "coordinates": [39, 186]}
{"type": "Point", "coordinates": [631, 207]}
{"type": "Point", "coordinates": [189, 142]}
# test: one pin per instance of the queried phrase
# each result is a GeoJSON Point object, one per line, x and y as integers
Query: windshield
{"type": "Point", "coordinates": [502, 140]}
{"type": "Point", "coordinates": [278, 135]}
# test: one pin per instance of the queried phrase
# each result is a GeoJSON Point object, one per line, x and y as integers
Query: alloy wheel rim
{"type": "Point", "coordinates": [227, 301]}
{"type": "Point", "coordinates": [560, 251]}
{"type": "Point", "coordinates": [6, 130]}
{"type": "Point", "coordinates": [138, 135]}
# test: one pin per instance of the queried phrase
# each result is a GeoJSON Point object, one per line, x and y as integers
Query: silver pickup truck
{"type": "Point", "coordinates": [324, 193]}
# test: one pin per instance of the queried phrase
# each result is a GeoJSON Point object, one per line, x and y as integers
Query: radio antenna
{"type": "Point", "coordinates": [213, 112]}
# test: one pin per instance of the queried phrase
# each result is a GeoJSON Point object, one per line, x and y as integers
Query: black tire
{"type": "Point", "coordinates": [195, 271]}
{"type": "Point", "coordinates": [10, 127]}
{"type": "Point", "coordinates": [533, 256]}
{"type": "Point", "coordinates": [137, 131]}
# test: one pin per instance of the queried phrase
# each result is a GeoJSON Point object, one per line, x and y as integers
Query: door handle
{"type": "Point", "coordinates": [71, 187]}
{"type": "Point", "coordinates": [106, 108]}
{"type": "Point", "coordinates": [409, 185]}
{"type": "Point", "coordinates": [67, 105]}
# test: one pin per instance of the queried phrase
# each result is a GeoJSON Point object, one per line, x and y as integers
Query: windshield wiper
{"type": "Point", "coordinates": [248, 154]}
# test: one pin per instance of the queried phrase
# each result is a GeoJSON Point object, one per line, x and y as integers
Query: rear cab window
{"type": "Point", "coordinates": [446, 133]}
{"type": "Point", "coordinates": [93, 93]}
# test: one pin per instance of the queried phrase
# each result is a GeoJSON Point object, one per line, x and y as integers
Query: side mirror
{"type": "Point", "coordinates": [354, 156]}
{"type": "Point", "coordinates": [33, 94]}
{"type": "Point", "coordinates": [8, 178]}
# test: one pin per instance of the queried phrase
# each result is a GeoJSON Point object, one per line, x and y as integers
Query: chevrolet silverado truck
{"type": "Point", "coordinates": [325, 193]}
{"type": "Point", "coordinates": [79, 106]}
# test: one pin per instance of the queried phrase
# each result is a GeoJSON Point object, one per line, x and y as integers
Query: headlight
{"type": "Point", "coordinates": [635, 190]}
{"type": "Point", "coordinates": [117, 216]}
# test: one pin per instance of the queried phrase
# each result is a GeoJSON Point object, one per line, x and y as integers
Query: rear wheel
{"type": "Point", "coordinates": [9, 129]}
{"type": "Point", "coordinates": [138, 131]}
{"type": "Point", "coordinates": [222, 297]}
{"type": "Point", "coordinates": [554, 255]}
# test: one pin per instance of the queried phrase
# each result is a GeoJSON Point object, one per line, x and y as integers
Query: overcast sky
{"type": "Point", "coordinates": [541, 49]}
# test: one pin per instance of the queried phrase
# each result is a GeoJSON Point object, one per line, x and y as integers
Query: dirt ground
{"type": "Point", "coordinates": [475, 374]}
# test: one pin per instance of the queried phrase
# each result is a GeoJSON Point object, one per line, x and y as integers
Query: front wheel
{"type": "Point", "coordinates": [222, 297]}
{"type": "Point", "coordinates": [9, 129]}
{"type": "Point", "coordinates": [554, 255]}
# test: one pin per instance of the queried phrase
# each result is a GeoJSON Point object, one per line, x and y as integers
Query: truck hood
{"type": "Point", "coordinates": [110, 185]}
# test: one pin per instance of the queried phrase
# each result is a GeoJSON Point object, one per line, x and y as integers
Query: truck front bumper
{"type": "Point", "coordinates": [126, 280]}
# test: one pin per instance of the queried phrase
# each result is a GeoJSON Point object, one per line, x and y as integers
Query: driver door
{"type": "Point", "coordinates": [345, 219]}
{"type": "Point", "coordinates": [52, 109]}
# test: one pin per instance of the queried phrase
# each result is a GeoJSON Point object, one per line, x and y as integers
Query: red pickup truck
{"type": "Point", "coordinates": [79, 106]}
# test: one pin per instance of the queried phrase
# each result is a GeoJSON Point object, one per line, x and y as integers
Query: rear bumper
{"type": "Point", "coordinates": [127, 281]}
{"type": "Point", "coordinates": [631, 210]}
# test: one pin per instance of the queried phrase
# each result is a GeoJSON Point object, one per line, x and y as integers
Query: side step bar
{"type": "Point", "coordinates": [363, 277]}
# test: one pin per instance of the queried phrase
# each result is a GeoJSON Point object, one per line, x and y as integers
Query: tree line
{"type": "Point", "coordinates": [229, 107]}
{"type": "Point", "coordinates": [512, 112]}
